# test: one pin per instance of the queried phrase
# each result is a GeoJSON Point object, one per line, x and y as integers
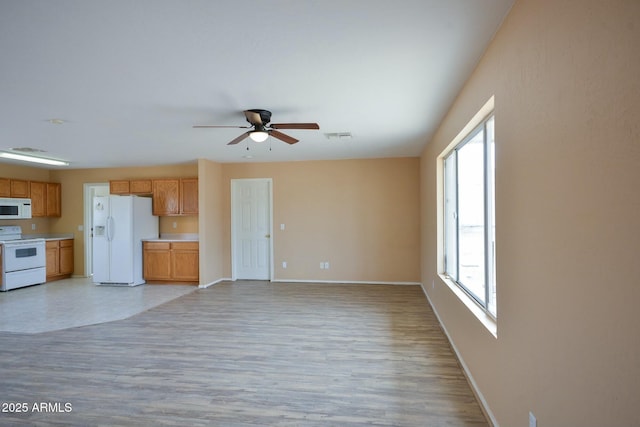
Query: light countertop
{"type": "Point", "coordinates": [175, 237]}
{"type": "Point", "coordinates": [49, 236]}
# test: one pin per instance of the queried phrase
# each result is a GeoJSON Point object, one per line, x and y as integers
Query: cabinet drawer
{"type": "Point", "coordinates": [66, 243]}
{"type": "Point", "coordinates": [185, 245]}
{"type": "Point", "coordinates": [51, 244]}
{"type": "Point", "coordinates": [159, 246]}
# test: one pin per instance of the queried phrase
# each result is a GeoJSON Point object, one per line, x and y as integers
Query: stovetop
{"type": "Point", "coordinates": [10, 233]}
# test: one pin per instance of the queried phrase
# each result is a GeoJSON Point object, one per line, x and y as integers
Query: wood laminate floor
{"type": "Point", "coordinates": [245, 354]}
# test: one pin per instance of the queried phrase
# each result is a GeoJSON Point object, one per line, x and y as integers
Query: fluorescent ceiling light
{"type": "Point", "coordinates": [25, 158]}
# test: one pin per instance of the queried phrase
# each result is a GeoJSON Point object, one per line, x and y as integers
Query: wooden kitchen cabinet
{"type": "Point", "coordinates": [189, 196]}
{"type": "Point", "coordinates": [38, 198]}
{"type": "Point", "coordinates": [5, 187]}
{"type": "Point", "coordinates": [175, 196]}
{"type": "Point", "coordinates": [59, 254]}
{"type": "Point", "coordinates": [171, 196]}
{"type": "Point", "coordinates": [185, 259]}
{"type": "Point", "coordinates": [141, 186]}
{"type": "Point", "coordinates": [20, 188]}
{"type": "Point", "coordinates": [54, 205]}
{"type": "Point", "coordinates": [119, 187]}
{"type": "Point", "coordinates": [131, 187]}
{"type": "Point", "coordinates": [45, 199]}
{"type": "Point", "coordinates": [17, 188]}
{"type": "Point", "coordinates": [171, 261]}
{"type": "Point", "coordinates": [156, 260]}
{"type": "Point", "coordinates": [166, 197]}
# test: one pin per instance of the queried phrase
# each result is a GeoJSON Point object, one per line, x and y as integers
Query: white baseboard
{"type": "Point", "coordinates": [347, 282]}
{"type": "Point", "coordinates": [206, 285]}
{"type": "Point", "coordinates": [474, 386]}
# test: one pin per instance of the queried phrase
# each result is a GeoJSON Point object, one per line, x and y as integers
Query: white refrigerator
{"type": "Point", "coordinates": [120, 223]}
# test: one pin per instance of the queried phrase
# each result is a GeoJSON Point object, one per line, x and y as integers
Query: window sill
{"type": "Point", "coordinates": [479, 312]}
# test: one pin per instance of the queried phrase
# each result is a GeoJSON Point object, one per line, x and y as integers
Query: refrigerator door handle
{"type": "Point", "coordinates": [110, 228]}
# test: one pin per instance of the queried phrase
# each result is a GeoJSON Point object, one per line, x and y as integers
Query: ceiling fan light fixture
{"type": "Point", "coordinates": [259, 135]}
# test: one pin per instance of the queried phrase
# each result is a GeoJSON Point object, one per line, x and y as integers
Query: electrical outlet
{"type": "Point", "coordinates": [326, 265]}
{"type": "Point", "coordinates": [532, 420]}
{"type": "Point", "coordinates": [281, 226]}
{"type": "Point", "coordinates": [175, 224]}
{"type": "Point", "coordinates": [33, 226]}
{"type": "Point", "coordinates": [284, 264]}
{"type": "Point", "coordinates": [322, 266]}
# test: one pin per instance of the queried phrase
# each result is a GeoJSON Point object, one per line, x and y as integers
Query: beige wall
{"type": "Point", "coordinates": [361, 216]}
{"type": "Point", "coordinates": [211, 224]}
{"type": "Point", "coordinates": [567, 102]}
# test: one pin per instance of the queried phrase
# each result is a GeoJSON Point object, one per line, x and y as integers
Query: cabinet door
{"type": "Point", "coordinates": [53, 199]}
{"type": "Point", "coordinates": [53, 259]}
{"type": "Point", "coordinates": [119, 187]}
{"type": "Point", "coordinates": [19, 188]}
{"type": "Point", "coordinates": [5, 187]}
{"type": "Point", "coordinates": [141, 186]}
{"type": "Point", "coordinates": [166, 197]}
{"type": "Point", "coordinates": [189, 196]}
{"type": "Point", "coordinates": [157, 261]}
{"type": "Point", "coordinates": [185, 262]}
{"type": "Point", "coordinates": [66, 256]}
{"type": "Point", "coordinates": [38, 198]}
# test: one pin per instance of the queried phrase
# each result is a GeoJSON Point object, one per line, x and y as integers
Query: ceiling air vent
{"type": "Point", "coordinates": [27, 150]}
{"type": "Point", "coordinates": [338, 135]}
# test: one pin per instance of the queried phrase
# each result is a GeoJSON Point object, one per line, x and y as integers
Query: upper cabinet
{"type": "Point", "coordinates": [141, 186]}
{"type": "Point", "coordinates": [17, 188]}
{"type": "Point", "coordinates": [45, 199]}
{"type": "Point", "coordinates": [119, 187]}
{"type": "Point", "coordinates": [54, 204]}
{"type": "Point", "coordinates": [45, 196]}
{"type": "Point", "coordinates": [166, 197]}
{"type": "Point", "coordinates": [189, 196]}
{"type": "Point", "coordinates": [135, 186]}
{"type": "Point", "coordinates": [171, 196]}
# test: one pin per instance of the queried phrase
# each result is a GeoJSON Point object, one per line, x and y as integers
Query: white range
{"type": "Point", "coordinates": [23, 260]}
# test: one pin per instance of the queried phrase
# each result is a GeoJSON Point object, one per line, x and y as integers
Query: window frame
{"type": "Point", "coordinates": [449, 159]}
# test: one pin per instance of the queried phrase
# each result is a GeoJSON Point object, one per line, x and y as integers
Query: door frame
{"type": "Point", "coordinates": [89, 190]}
{"type": "Point", "coordinates": [234, 262]}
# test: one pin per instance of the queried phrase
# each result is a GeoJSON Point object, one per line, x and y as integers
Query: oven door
{"type": "Point", "coordinates": [24, 255]}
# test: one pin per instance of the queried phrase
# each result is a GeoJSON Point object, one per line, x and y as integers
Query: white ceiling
{"type": "Point", "coordinates": [131, 77]}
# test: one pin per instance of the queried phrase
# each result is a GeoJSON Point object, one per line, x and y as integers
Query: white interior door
{"type": "Point", "coordinates": [251, 228]}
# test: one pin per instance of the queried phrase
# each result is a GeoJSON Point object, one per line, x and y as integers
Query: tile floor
{"type": "Point", "coordinates": [78, 302]}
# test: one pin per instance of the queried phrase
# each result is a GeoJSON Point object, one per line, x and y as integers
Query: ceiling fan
{"type": "Point", "coordinates": [261, 129]}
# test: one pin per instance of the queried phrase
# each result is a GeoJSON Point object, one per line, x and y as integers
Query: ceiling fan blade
{"type": "Point", "coordinates": [238, 139]}
{"type": "Point", "coordinates": [282, 137]}
{"type": "Point", "coordinates": [295, 126]}
{"type": "Point", "coordinates": [253, 117]}
{"type": "Point", "coordinates": [215, 126]}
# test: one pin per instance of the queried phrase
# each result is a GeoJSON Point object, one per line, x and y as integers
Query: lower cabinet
{"type": "Point", "coordinates": [59, 255]}
{"type": "Point", "coordinates": [171, 261]}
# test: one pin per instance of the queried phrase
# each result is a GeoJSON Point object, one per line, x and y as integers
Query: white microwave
{"type": "Point", "coordinates": [15, 208]}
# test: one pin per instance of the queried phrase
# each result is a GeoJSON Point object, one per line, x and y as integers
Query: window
{"type": "Point", "coordinates": [469, 223]}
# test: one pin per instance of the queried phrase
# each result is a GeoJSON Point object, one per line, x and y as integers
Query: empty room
{"type": "Point", "coordinates": [298, 213]}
